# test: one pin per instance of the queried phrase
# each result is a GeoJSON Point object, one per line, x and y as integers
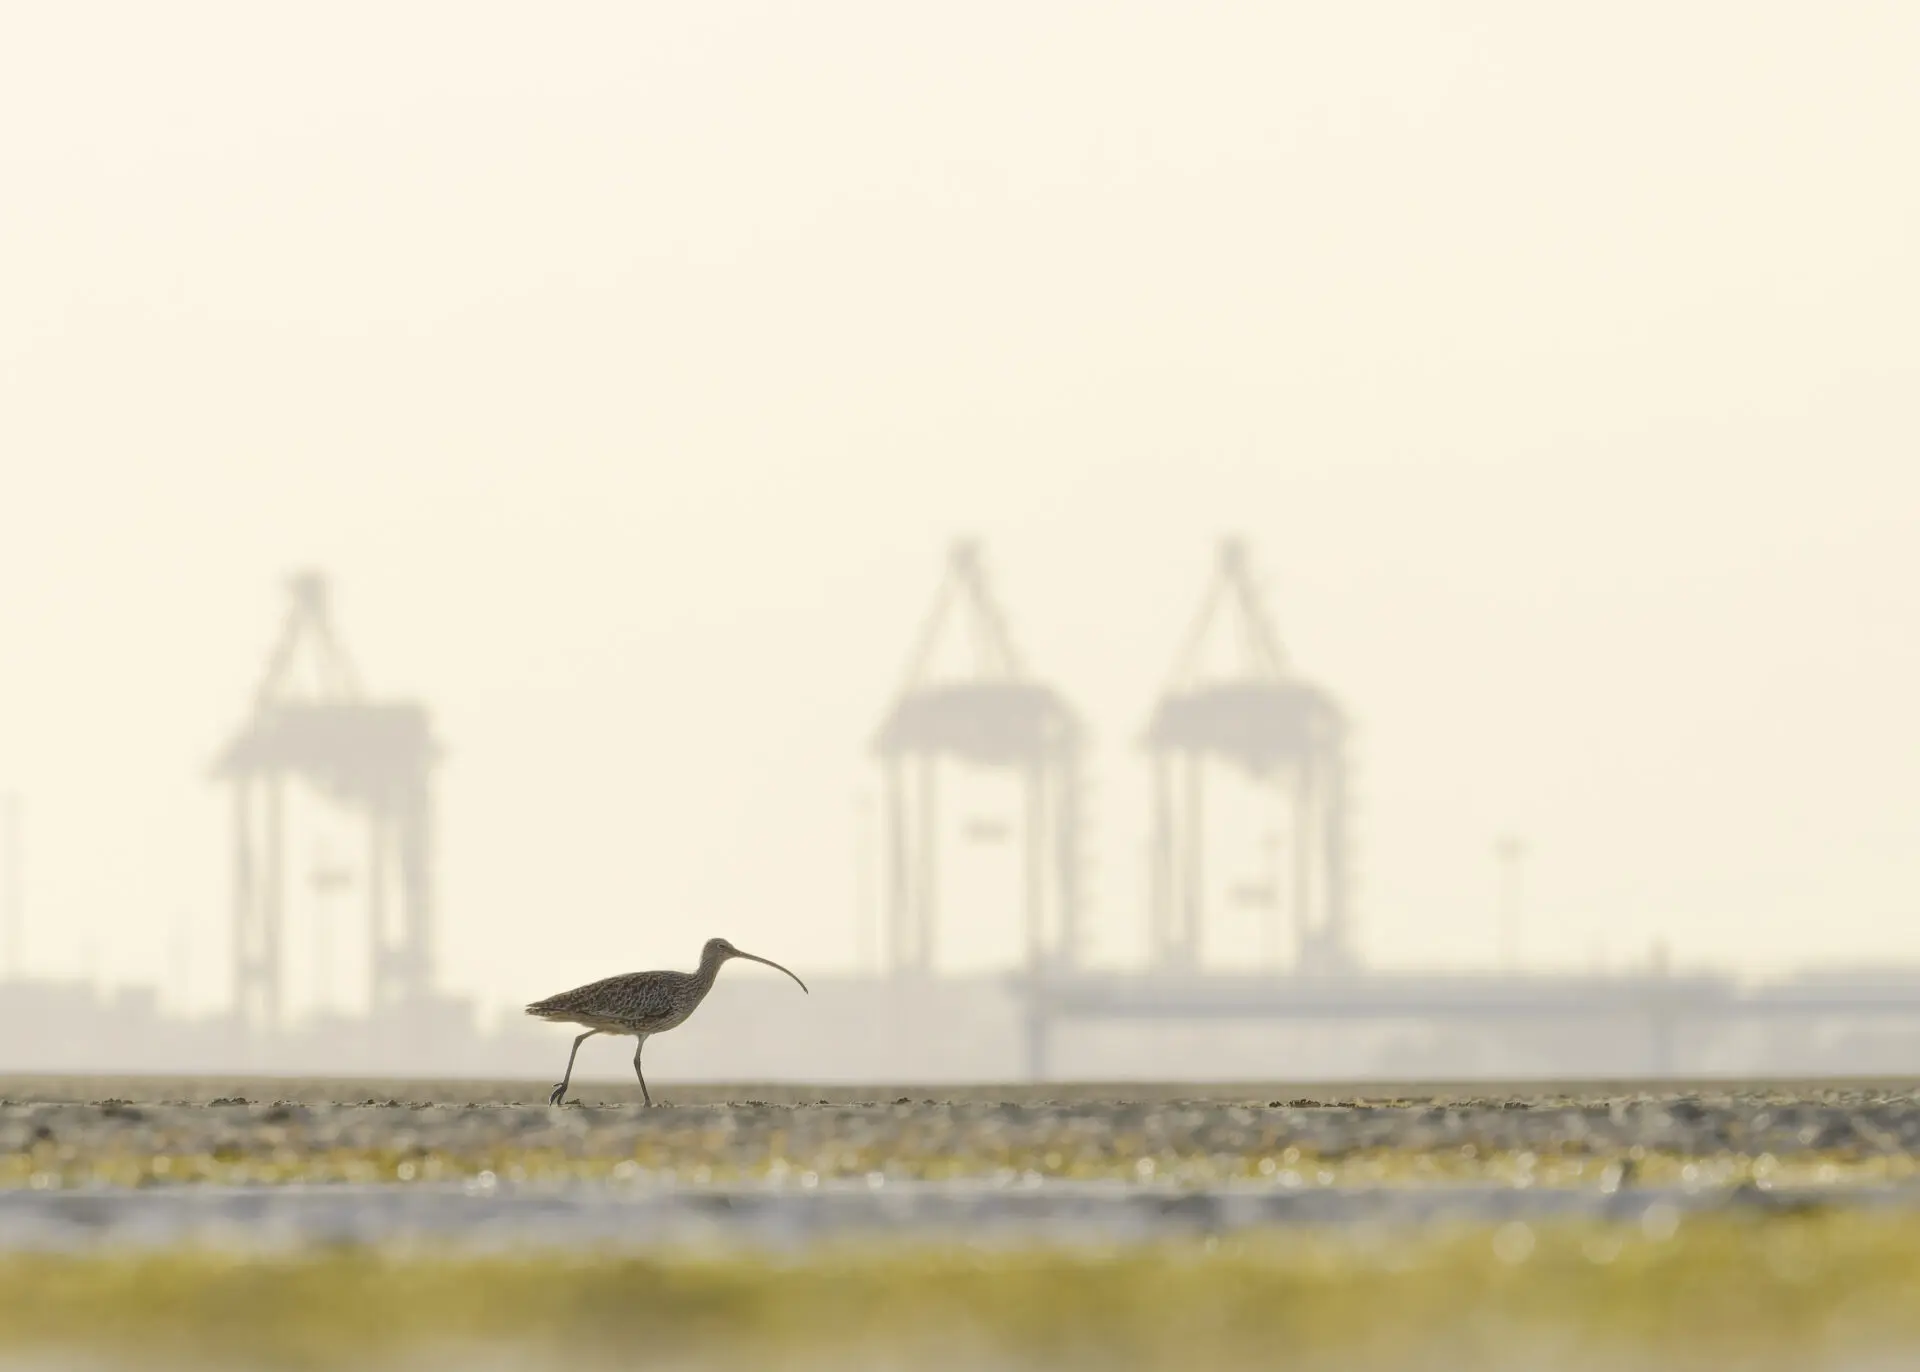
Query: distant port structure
{"type": "Point", "coordinates": [1277, 729]}
{"type": "Point", "coordinates": [1259, 717]}
{"type": "Point", "coordinates": [995, 714]}
{"type": "Point", "coordinates": [1239, 739]}
{"type": "Point", "coordinates": [373, 758]}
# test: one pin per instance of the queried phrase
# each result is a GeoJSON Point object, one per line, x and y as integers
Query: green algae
{"type": "Point", "coordinates": [1714, 1291]}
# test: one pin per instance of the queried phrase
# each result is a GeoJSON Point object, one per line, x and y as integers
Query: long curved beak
{"type": "Point", "coordinates": [754, 957]}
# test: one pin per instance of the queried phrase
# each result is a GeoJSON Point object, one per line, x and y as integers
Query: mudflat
{"type": "Point", "coordinates": [68, 1132]}
{"type": "Point", "coordinates": [322, 1090]}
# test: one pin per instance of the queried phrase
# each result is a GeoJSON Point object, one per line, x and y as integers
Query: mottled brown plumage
{"type": "Point", "coordinates": [638, 1003]}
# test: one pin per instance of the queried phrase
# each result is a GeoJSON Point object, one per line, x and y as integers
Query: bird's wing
{"type": "Point", "coordinates": [633, 996]}
{"type": "Point", "coordinates": [651, 996]}
{"type": "Point", "coordinates": [591, 995]}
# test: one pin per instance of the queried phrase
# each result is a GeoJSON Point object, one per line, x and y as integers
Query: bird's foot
{"type": "Point", "coordinates": [558, 1092]}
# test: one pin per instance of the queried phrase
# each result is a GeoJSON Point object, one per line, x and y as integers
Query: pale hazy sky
{"type": "Point", "coordinates": [629, 367]}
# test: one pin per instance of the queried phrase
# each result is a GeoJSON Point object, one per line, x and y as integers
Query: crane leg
{"type": "Point", "coordinates": [560, 1091]}
{"type": "Point", "coordinates": [638, 1073]}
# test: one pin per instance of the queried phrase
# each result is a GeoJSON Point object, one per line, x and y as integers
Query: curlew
{"type": "Point", "coordinates": [638, 1003]}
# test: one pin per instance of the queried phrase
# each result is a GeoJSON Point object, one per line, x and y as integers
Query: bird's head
{"type": "Point", "coordinates": [718, 950]}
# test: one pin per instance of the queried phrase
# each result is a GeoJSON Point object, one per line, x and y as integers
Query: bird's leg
{"type": "Point", "coordinates": [638, 1073]}
{"type": "Point", "coordinates": [560, 1091]}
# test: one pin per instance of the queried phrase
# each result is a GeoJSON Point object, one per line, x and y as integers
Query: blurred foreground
{"type": "Point", "coordinates": [1799, 1293]}
{"type": "Point", "coordinates": [421, 1225]}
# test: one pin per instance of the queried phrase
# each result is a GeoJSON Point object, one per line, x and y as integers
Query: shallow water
{"type": "Point", "coordinates": [489, 1215]}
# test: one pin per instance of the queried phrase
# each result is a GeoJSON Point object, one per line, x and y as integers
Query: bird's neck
{"type": "Point", "coordinates": [709, 968]}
